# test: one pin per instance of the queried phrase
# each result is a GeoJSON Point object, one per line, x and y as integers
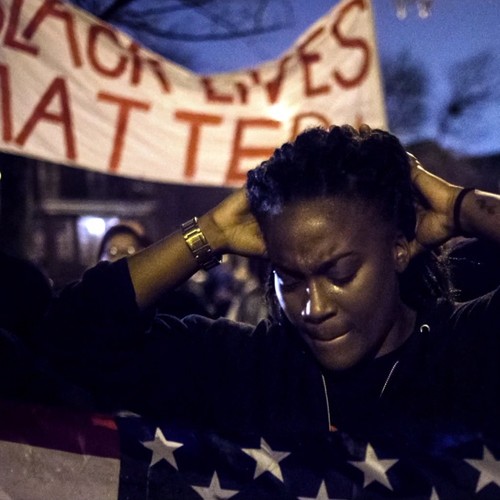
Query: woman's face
{"type": "Point", "coordinates": [120, 245]}
{"type": "Point", "coordinates": [336, 266]}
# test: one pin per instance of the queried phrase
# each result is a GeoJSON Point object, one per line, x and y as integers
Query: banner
{"type": "Point", "coordinates": [77, 91]}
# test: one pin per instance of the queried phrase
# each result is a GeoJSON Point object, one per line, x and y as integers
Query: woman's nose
{"type": "Point", "coordinates": [320, 303]}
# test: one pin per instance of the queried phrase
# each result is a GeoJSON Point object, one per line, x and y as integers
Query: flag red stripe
{"type": "Point", "coordinates": [59, 429]}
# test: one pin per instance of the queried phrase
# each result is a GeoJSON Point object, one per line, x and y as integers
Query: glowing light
{"type": "Point", "coordinates": [94, 225]}
{"type": "Point", "coordinates": [280, 112]}
{"type": "Point", "coordinates": [424, 8]}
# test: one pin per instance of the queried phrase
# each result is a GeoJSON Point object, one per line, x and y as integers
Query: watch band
{"type": "Point", "coordinates": [198, 244]}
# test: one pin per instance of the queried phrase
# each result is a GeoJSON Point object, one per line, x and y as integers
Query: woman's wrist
{"type": "Point", "coordinates": [213, 233]}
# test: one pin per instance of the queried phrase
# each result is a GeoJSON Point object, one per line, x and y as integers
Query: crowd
{"type": "Point", "coordinates": [357, 292]}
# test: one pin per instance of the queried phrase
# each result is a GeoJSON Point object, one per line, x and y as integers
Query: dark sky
{"type": "Point", "coordinates": [455, 30]}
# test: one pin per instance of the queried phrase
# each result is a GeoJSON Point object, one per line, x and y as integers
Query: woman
{"type": "Point", "coordinates": [357, 344]}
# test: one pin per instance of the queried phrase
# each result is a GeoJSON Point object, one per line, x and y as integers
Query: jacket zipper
{"type": "Point", "coordinates": [331, 428]}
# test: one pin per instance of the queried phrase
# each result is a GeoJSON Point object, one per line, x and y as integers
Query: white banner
{"type": "Point", "coordinates": [77, 91]}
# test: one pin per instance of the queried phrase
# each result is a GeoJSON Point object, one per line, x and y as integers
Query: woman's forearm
{"type": "Point", "coordinates": [479, 215]}
{"type": "Point", "coordinates": [168, 263]}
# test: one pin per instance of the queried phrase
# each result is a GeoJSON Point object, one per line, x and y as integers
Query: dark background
{"type": "Point", "coordinates": [442, 85]}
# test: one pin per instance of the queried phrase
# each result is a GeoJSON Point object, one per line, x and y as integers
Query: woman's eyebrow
{"type": "Point", "coordinates": [327, 264]}
{"type": "Point", "coordinates": [322, 267]}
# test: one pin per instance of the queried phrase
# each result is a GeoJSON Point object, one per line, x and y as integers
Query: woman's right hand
{"type": "Point", "coordinates": [230, 227]}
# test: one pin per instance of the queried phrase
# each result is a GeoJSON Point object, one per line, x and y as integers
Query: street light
{"type": "Point", "coordinates": [423, 6]}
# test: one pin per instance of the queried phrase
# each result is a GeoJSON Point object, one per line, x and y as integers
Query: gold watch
{"type": "Point", "coordinates": [198, 244]}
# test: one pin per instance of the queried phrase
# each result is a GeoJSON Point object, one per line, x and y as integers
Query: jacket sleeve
{"type": "Point", "coordinates": [481, 316]}
{"type": "Point", "coordinates": [158, 365]}
{"type": "Point", "coordinates": [93, 331]}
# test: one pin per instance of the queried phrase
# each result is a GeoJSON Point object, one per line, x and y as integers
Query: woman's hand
{"type": "Point", "coordinates": [436, 199]}
{"type": "Point", "coordinates": [231, 228]}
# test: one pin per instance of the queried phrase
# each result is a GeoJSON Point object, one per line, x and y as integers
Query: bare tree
{"type": "Point", "coordinates": [474, 86]}
{"type": "Point", "coordinates": [170, 27]}
{"type": "Point", "coordinates": [405, 86]}
{"type": "Point", "coordinates": [215, 19]}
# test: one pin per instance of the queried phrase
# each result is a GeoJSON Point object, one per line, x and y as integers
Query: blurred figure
{"type": "Point", "coordinates": [473, 267]}
{"type": "Point", "coordinates": [221, 289]}
{"type": "Point", "coordinates": [25, 293]}
{"type": "Point", "coordinates": [249, 305]}
{"type": "Point", "coordinates": [25, 296]}
{"type": "Point", "coordinates": [236, 289]}
{"type": "Point", "coordinates": [120, 241]}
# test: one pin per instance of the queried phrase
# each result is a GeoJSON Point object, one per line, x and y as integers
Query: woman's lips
{"type": "Point", "coordinates": [319, 338]}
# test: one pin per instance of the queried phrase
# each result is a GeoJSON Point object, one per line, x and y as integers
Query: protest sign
{"type": "Point", "coordinates": [77, 91]}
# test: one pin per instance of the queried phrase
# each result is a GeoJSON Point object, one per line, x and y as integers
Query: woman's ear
{"type": "Point", "coordinates": [401, 253]}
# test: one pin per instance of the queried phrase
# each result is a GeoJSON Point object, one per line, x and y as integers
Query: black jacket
{"type": "Point", "coordinates": [445, 380]}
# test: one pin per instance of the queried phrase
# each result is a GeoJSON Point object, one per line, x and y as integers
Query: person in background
{"type": "Point", "coordinates": [249, 305]}
{"type": "Point", "coordinates": [120, 241]}
{"type": "Point", "coordinates": [473, 267]}
{"type": "Point", "coordinates": [25, 293]}
{"type": "Point", "coordinates": [364, 337]}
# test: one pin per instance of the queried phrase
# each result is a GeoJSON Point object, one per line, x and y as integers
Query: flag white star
{"type": "Point", "coordinates": [4, 495]}
{"type": "Point", "coordinates": [489, 469]}
{"type": "Point", "coordinates": [267, 460]}
{"type": "Point", "coordinates": [434, 495]}
{"type": "Point", "coordinates": [214, 491]}
{"type": "Point", "coordinates": [322, 493]}
{"type": "Point", "coordinates": [162, 449]}
{"type": "Point", "coordinates": [373, 468]}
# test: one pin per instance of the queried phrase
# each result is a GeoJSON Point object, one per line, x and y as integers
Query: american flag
{"type": "Point", "coordinates": [57, 454]}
